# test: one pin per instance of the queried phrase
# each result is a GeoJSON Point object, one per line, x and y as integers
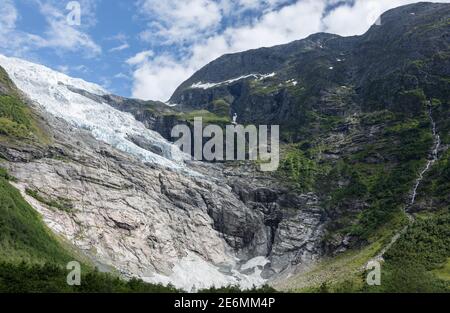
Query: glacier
{"type": "Point", "coordinates": [53, 91]}
{"type": "Point", "coordinates": [171, 238]}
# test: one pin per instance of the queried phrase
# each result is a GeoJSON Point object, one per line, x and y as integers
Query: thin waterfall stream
{"type": "Point", "coordinates": [433, 158]}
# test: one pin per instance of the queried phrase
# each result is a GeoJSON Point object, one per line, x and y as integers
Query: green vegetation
{"type": "Point", "coordinates": [377, 181]}
{"type": "Point", "coordinates": [236, 289]}
{"type": "Point", "coordinates": [385, 185]}
{"type": "Point", "coordinates": [262, 88]}
{"type": "Point", "coordinates": [5, 175]}
{"type": "Point", "coordinates": [220, 107]}
{"type": "Point", "coordinates": [418, 262]}
{"type": "Point", "coordinates": [410, 101]}
{"type": "Point", "coordinates": [334, 272]}
{"type": "Point", "coordinates": [5, 81]}
{"type": "Point", "coordinates": [436, 185]}
{"type": "Point", "coordinates": [17, 121]}
{"type": "Point", "coordinates": [418, 63]}
{"type": "Point", "coordinates": [443, 23]}
{"type": "Point", "coordinates": [207, 117]}
{"type": "Point", "coordinates": [60, 203]}
{"type": "Point", "coordinates": [50, 278]}
{"type": "Point", "coordinates": [299, 169]}
{"type": "Point", "coordinates": [23, 235]}
{"type": "Point", "coordinates": [443, 272]}
{"type": "Point", "coordinates": [366, 189]}
{"type": "Point", "coordinates": [15, 118]}
{"type": "Point", "coordinates": [424, 248]}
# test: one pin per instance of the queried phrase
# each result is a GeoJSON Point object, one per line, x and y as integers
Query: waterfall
{"type": "Point", "coordinates": [431, 161]}
{"type": "Point", "coordinates": [433, 158]}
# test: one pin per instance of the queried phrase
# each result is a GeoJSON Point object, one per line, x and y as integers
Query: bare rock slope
{"type": "Point", "coordinates": [186, 224]}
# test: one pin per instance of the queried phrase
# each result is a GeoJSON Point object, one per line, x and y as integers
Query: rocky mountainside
{"type": "Point", "coordinates": [359, 119]}
{"type": "Point", "coordinates": [118, 192]}
{"type": "Point", "coordinates": [267, 85]}
{"type": "Point", "coordinates": [355, 105]}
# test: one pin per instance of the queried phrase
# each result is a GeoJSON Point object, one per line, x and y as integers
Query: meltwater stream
{"type": "Point", "coordinates": [431, 161]}
{"type": "Point", "coordinates": [434, 157]}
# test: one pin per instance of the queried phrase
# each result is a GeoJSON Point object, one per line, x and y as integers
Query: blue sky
{"type": "Point", "coordinates": [146, 48]}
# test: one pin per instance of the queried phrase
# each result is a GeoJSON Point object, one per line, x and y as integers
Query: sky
{"type": "Point", "coordinates": [146, 48]}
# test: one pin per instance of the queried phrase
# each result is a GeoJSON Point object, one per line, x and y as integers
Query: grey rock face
{"type": "Point", "coordinates": [143, 220]}
{"type": "Point", "coordinates": [284, 226]}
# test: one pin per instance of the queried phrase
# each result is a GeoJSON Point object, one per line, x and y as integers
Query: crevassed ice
{"type": "Point", "coordinates": [201, 85]}
{"type": "Point", "coordinates": [50, 90]}
{"type": "Point", "coordinates": [192, 271]}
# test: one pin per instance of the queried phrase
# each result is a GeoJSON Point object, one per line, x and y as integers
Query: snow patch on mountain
{"type": "Point", "coordinates": [52, 91]}
{"type": "Point", "coordinates": [201, 85]}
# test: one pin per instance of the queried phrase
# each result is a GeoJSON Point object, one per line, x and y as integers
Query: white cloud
{"type": "Point", "coordinates": [156, 77]}
{"type": "Point", "coordinates": [119, 37]}
{"type": "Point", "coordinates": [81, 69]}
{"type": "Point", "coordinates": [238, 7]}
{"type": "Point", "coordinates": [140, 58]}
{"type": "Point", "coordinates": [121, 76]}
{"type": "Point", "coordinates": [61, 35]}
{"type": "Point", "coordinates": [8, 19]}
{"type": "Point", "coordinates": [122, 42]}
{"type": "Point", "coordinates": [58, 34]}
{"type": "Point", "coordinates": [350, 20]}
{"type": "Point", "coordinates": [278, 27]}
{"type": "Point", "coordinates": [120, 48]}
{"type": "Point", "coordinates": [174, 20]}
{"type": "Point", "coordinates": [8, 16]}
{"type": "Point", "coordinates": [67, 69]}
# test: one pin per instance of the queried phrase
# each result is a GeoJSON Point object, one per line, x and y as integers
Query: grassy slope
{"type": "Point", "coordinates": [18, 122]}
{"type": "Point", "coordinates": [418, 262]}
{"type": "Point", "coordinates": [383, 186]}
{"type": "Point", "coordinates": [23, 235]}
